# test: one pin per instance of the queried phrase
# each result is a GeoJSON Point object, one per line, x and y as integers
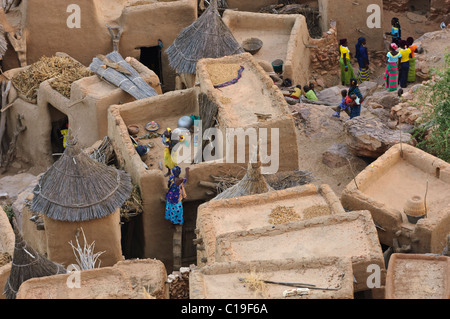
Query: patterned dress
{"type": "Point", "coordinates": [174, 204]}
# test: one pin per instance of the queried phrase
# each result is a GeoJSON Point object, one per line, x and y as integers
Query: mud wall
{"type": "Point", "coordinates": [7, 238]}
{"type": "Point", "coordinates": [350, 17]}
{"type": "Point", "coordinates": [105, 232]}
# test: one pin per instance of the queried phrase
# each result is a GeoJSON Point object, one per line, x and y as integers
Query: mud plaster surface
{"type": "Point", "coordinates": [402, 181]}
{"type": "Point", "coordinates": [226, 286]}
{"type": "Point", "coordinates": [275, 42]}
{"type": "Point", "coordinates": [342, 240]}
{"type": "Point", "coordinates": [420, 279]}
{"type": "Point", "coordinates": [249, 217]}
{"type": "Point", "coordinates": [246, 97]}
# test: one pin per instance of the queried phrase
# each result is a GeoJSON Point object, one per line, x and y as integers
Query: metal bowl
{"type": "Point", "coordinates": [252, 45]}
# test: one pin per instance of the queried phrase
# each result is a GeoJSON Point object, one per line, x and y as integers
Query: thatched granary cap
{"type": "Point", "coordinates": [207, 37]}
{"type": "Point", "coordinates": [78, 188]}
{"type": "Point", "coordinates": [27, 264]}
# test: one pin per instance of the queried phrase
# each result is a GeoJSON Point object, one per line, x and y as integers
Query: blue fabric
{"type": "Point", "coordinates": [355, 90]}
{"type": "Point", "coordinates": [173, 195]}
{"type": "Point", "coordinates": [355, 111]}
{"type": "Point", "coordinates": [174, 213]}
{"type": "Point", "coordinates": [361, 53]}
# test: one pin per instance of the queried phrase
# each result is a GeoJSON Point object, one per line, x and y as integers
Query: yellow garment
{"type": "Point", "coordinates": [64, 134]}
{"type": "Point", "coordinates": [168, 159]}
{"type": "Point", "coordinates": [297, 92]}
{"type": "Point", "coordinates": [345, 50]}
{"type": "Point", "coordinates": [405, 55]}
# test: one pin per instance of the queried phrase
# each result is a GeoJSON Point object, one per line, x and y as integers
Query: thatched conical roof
{"type": "Point", "coordinates": [3, 42]}
{"type": "Point", "coordinates": [252, 183]}
{"type": "Point", "coordinates": [78, 188]}
{"type": "Point", "coordinates": [27, 264]}
{"type": "Point", "coordinates": [207, 37]}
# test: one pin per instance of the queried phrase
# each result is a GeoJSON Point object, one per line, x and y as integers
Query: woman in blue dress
{"type": "Point", "coordinates": [175, 196]}
{"type": "Point", "coordinates": [354, 90]}
{"type": "Point", "coordinates": [363, 60]}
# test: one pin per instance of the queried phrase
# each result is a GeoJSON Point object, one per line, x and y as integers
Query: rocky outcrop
{"type": "Point", "coordinates": [435, 46]}
{"type": "Point", "coordinates": [371, 138]}
{"type": "Point", "coordinates": [338, 155]}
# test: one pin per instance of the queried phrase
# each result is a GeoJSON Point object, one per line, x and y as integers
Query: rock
{"type": "Point", "coordinates": [331, 95]}
{"type": "Point", "coordinates": [372, 138]}
{"type": "Point", "coordinates": [337, 155]}
{"type": "Point", "coordinates": [392, 124]}
{"type": "Point", "coordinates": [384, 98]}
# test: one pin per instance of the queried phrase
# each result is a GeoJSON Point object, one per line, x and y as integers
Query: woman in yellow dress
{"type": "Point", "coordinates": [169, 160]}
{"type": "Point", "coordinates": [344, 62]}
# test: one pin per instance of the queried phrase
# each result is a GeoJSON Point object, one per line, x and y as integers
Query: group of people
{"type": "Point", "coordinates": [308, 92]}
{"type": "Point", "coordinates": [361, 55]}
{"type": "Point", "coordinates": [401, 61]}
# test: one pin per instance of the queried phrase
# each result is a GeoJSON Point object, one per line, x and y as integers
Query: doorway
{"type": "Point", "coordinates": [189, 250]}
{"type": "Point", "coordinates": [420, 5]}
{"type": "Point", "coordinates": [151, 58]}
{"type": "Point", "coordinates": [60, 124]}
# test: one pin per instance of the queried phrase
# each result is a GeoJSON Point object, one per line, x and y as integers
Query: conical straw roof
{"type": "Point", "coordinates": [78, 188]}
{"type": "Point", "coordinates": [252, 183]}
{"type": "Point", "coordinates": [207, 37]}
{"type": "Point", "coordinates": [27, 264]}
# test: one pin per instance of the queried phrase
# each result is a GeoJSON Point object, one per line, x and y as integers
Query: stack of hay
{"type": "Point", "coordinates": [62, 70]}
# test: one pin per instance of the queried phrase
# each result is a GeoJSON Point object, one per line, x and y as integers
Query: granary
{"type": "Point", "coordinates": [418, 276]}
{"type": "Point", "coordinates": [406, 190]}
{"type": "Point", "coordinates": [27, 264]}
{"type": "Point", "coordinates": [325, 278]}
{"type": "Point", "coordinates": [207, 37]}
{"type": "Point", "coordinates": [147, 171]}
{"type": "Point", "coordinates": [285, 41]}
{"type": "Point", "coordinates": [57, 93]}
{"type": "Point", "coordinates": [85, 28]}
{"type": "Point", "coordinates": [128, 279]}
{"type": "Point", "coordinates": [252, 211]}
{"type": "Point", "coordinates": [349, 235]}
{"type": "Point", "coordinates": [244, 100]}
{"type": "Point", "coordinates": [79, 200]}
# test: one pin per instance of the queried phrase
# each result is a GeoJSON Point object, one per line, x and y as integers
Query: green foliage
{"type": "Point", "coordinates": [433, 131]}
{"type": "Point", "coordinates": [9, 211]}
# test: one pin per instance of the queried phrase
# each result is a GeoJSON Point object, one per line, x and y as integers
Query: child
{"type": "Point", "coordinates": [396, 31]}
{"type": "Point", "coordinates": [309, 94]}
{"type": "Point", "coordinates": [297, 92]}
{"type": "Point", "coordinates": [169, 161]}
{"type": "Point", "coordinates": [345, 105]}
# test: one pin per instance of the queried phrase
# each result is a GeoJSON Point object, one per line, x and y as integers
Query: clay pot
{"type": "Point", "coordinates": [415, 209]}
{"type": "Point", "coordinates": [133, 129]}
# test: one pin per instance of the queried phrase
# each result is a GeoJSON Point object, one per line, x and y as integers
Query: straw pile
{"type": "Point", "coordinates": [207, 37]}
{"type": "Point", "coordinates": [252, 183]}
{"type": "Point", "coordinates": [133, 206]}
{"type": "Point", "coordinates": [316, 211]}
{"type": "Point", "coordinates": [64, 70]}
{"type": "Point", "coordinates": [283, 215]}
{"type": "Point", "coordinates": [220, 72]}
{"type": "Point", "coordinates": [5, 258]}
{"type": "Point", "coordinates": [27, 264]}
{"type": "Point", "coordinates": [78, 188]}
{"type": "Point", "coordinates": [3, 42]}
{"type": "Point", "coordinates": [254, 282]}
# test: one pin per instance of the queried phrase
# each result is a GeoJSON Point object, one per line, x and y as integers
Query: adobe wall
{"type": "Point", "coordinates": [429, 235]}
{"type": "Point", "coordinates": [239, 113]}
{"type": "Point", "coordinates": [7, 238]}
{"type": "Point", "coordinates": [142, 26]}
{"type": "Point", "coordinates": [222, 216]}
{"type": "Point", "coordinates": [256, 5]}
{"type": "Point", "coordinates": [351, 15]}
{"type": "Point", "coordinates": [418, 276]}
{"type": "Point", "coordinates": [296, 56]}
{"type": "Point", "coordinates": [4, 275]}
{"type": "Point", "coordinates": [106, 233]}
{"type": "Point", "coordinates": [35, 238]}
{"type": "Point", "coordinates": [221, 280]}
{"type": "Point", "coordinates": [352, 235]}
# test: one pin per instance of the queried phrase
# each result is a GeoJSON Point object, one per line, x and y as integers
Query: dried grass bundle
{"type": "Point", "coordinates": [252, 183]}
{"type": "Point", "coordinates": [255, 283]}
{"type": "Point", "coordinates": [5, 258]}
{"type": "Point", "coordinates": [63, 70]}
{"type": "Point", "coordinates": [27, 264]}
{"type": "Point", "coordinates": [133, 206]}
{"type": "Point", "coordinates": [207, 37]}
{"type": "Point", "coordinates": [85, 256]}
{"type": "Point", "coordinates": [283, 215]}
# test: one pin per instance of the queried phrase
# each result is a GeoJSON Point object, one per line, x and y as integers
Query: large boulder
{"type": "Point", "coordinates": [435, 46]}
{"type": "Point", "coordinates": [369, 137]}
{"type": "Point", "coordinates": [333, 95]}
{"type": "Point", "coordinates": [339, 155]}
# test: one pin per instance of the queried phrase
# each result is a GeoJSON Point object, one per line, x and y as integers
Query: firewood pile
{"type": "Point", "coordinates": [179, 283]}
